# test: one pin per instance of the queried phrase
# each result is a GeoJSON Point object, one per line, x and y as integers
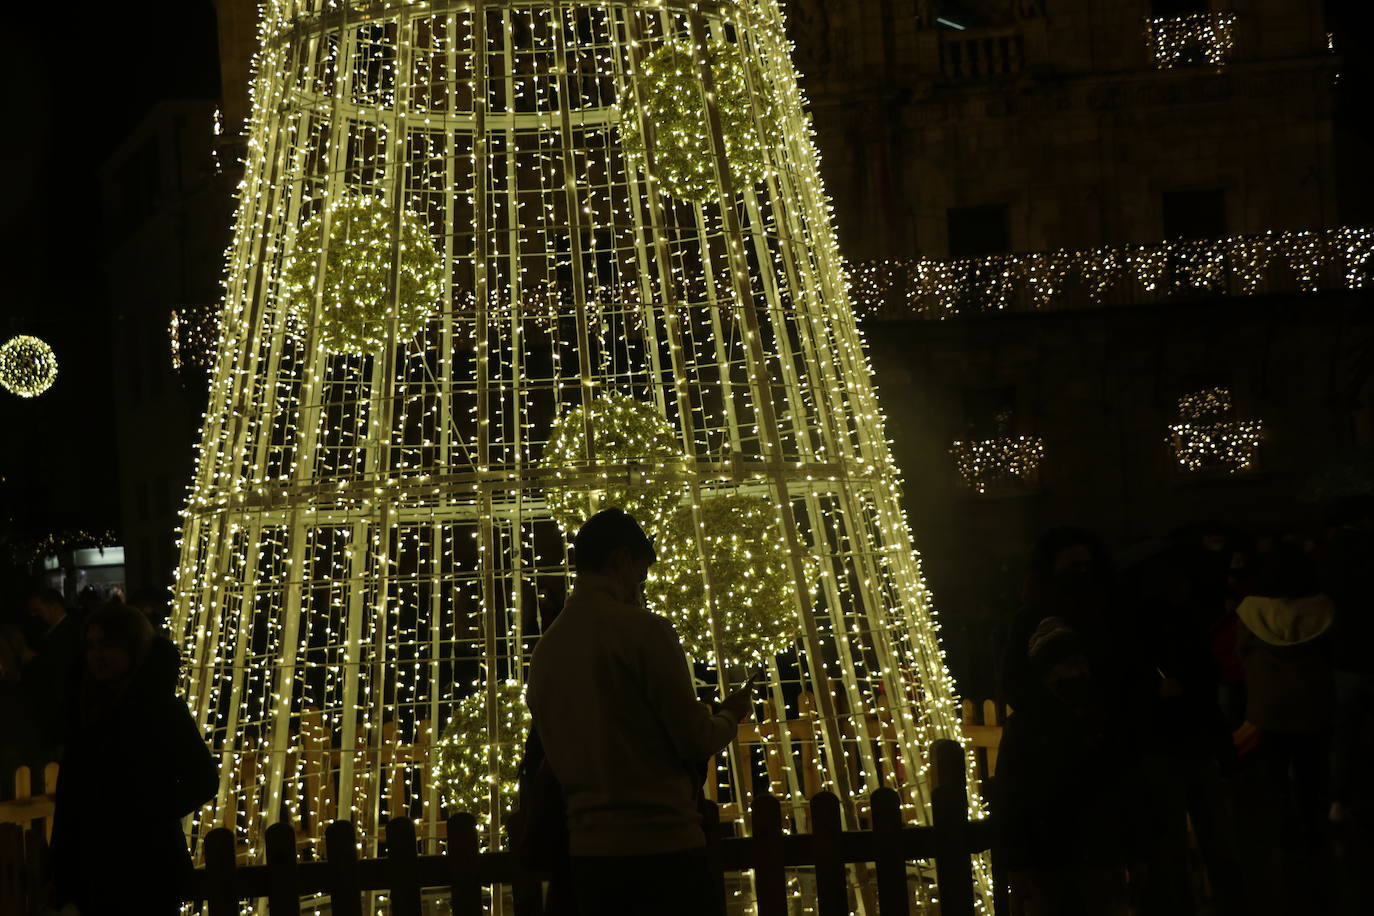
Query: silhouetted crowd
{"type": "Point", "coordinates": [94, 687]}
{"type": "Point", "coordinates": [1193, 727]}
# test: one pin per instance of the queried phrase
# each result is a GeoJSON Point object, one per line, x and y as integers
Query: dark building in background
{"type": "Point", "coordinates": [1103, 251]}
{"type": "Point", "coordinates": [1110, 273]}
{"type": "Point", "coordinates": [167, 194]}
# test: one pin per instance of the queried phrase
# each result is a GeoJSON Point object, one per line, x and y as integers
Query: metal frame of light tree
{"type": "Point", "coordinates": [350, 511]}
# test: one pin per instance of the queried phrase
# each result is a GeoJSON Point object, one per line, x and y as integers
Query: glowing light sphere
{"type": "Point", "coordinates": [357, 305]}
{"type": "Point", "coordinates": [462, 768]}
{"type": "Point", "coordinates": [683, 158]}
{"type": "Point", "coordinates": [626, 431]}
{"type": "Point", "coordinates": [747, 569]}
{"type": "Point", "coordinates": [28, 366]}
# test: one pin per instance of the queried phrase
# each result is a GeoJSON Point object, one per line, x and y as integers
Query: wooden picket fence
{"type": "Point", "coordinates": [397, 771]}
{"type": "Point", "coordinates": [880, 858]}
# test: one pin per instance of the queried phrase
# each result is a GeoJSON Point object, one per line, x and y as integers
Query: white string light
{"type": "Point", "coordinates": [1339, 258]}
{"type": "Point", "coordinates": [374, 517]}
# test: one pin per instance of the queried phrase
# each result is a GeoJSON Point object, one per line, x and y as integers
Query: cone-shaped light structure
{"type": "Point", "coordinates": [499, 263]}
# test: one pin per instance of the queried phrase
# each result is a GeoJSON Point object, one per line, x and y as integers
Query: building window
{"type": "Point", "coordinates": [1194, 214]}
{"type": "Point", "coordinates": [1164, 9]}
{"type": "Point", "coordinates": [980, 230]}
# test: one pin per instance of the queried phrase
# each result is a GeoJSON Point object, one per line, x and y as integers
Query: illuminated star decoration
{"type": "Point", "coordinates": [747, 570]}
{"type": "Point", "coordinates": [624, 431]}
{"type": "Point", "coordinates": [28, 366]}
{"type": "Point", "coordinates": [356, 303]}
{"type": "Point", "coordinates": [462, 759]}
{"type": "Point", "coordinates": [683, 157]}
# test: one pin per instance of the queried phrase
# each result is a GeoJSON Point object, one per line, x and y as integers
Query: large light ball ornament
{"type": "Point", "coordinates": [625, 431]}
{"type": "Point", "coordinates": [356, 308]}
{"type": "Point", "coordinates": [749, 571]}
{"type": "Point", "coordinates": [28, 366]}
{"type": "Point", "coordinates": [673, 105]}
{"type": "Point", "coordinates": [462, 768]}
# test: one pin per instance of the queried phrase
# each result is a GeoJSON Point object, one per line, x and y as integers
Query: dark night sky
{"type": "Point", "coordinates": [73, 88]}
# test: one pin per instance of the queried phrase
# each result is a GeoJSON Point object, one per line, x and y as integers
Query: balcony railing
{"type": "Point", "coordinates": [1273, 262]}
{"type": "Point", "coordinates": [983, 54]}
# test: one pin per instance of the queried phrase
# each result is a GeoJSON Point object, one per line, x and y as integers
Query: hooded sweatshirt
{"type": "Point", "coordinates": [1287, 668]}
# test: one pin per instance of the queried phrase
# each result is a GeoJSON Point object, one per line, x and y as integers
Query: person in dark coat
{"type": "Point", "coordinates": [46, 671]}
{"type": "Point", "coordinates": [1062, 787]}
{"type": "Point", "coordinates": [135, 765]}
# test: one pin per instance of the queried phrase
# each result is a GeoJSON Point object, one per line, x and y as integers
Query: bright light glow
{"type": "Point", "coordinates": [1181, 40]}
{"type": "Point", "coordinates": [28, 366]}
{"type": "Point", "coordinates": [448, 282]}
{"type": "Point", "coordinates": [1340, 258]}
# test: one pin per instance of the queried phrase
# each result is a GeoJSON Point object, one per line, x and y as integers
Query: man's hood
{"type": "Point", "coordinates": [1287, 621]}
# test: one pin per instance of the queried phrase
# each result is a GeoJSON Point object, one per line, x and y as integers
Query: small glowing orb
{"type": "Point", "coordinates": [28, 366]}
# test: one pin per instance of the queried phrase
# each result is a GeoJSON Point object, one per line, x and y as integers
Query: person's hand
{"type": "Point", "coordinates": [1171, 688]}
{"type": "Point", "coordinates": [740, 704]}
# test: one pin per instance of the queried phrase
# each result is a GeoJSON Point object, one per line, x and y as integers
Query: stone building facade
{"type": "Point", "coordinates": [955, 134]}
{"type": "Point", "coordinates": [966, 137]}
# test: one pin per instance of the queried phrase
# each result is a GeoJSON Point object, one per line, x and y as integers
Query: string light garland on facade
{"type": "Point", "coordinates": [357, 306]}
{"type": "Point", "coordinates": [1191, 38]}
{"type": "Point", "coordinates": [193, 332]}
{"type": "Point", "coordinates": [625, 432]}
{"type": "Point", "coordinates": [463, 769]}
{"type": "Point", "coordinates": [669, 87]}
{"type": "Point", "coordinates": [363, 533]}
{"type": "Point", "coordinates": [735, 576]}
{"type": "Point", "coordinates": [1005, 460]}
{"type": "Point", "coordinates": [1208, 438]}
{"type": "Point", "coordinates": [1340, 258]}
{"type": "Point", "coordinates": [28, 366]}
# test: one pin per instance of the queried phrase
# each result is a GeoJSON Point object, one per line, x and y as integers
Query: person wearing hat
{"type": "Point", "coordinates": [623, 731]}
{"type": "Point", "coordinates": [1060, 789]}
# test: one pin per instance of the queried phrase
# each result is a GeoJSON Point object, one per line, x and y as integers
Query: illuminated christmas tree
{"type": "Point", "coordinates": [496, 265]}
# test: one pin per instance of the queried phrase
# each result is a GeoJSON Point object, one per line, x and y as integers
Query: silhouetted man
{"type": "Point", "coordinates": [47, 669]}
{"type": "Point", "coordinates": [625, 735]}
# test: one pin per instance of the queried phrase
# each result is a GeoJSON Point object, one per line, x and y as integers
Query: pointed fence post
{"type": "Point", "coordinates": [893, 896]}
{"type": "Point", "coordinates": [341, 850]}
{"type": "Point", "coordinates": [283, 895]}
{"type": "Point", "coordinates": [464, 887]}
{"type": "Point", "coordinates": [832, 892]}
{"type": "Point", "coordinates": [220, 862]}
{"type": "Point", "coordinates": [770, 875]}
{"type": "Point", "coordinates": [949, 807]}
{"type": "Point", "coordinates": [403, 866]}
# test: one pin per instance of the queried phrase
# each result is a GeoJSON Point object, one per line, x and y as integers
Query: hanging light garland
{"type": "Point", "coordinates": [747, 565]}
{"type": "Point", "coordinates": [1003, 460]}
{"type": "Point", "coordinates": [462, 768]}
{"type": "Point", "coordinates": [28, 366]}
{"type": "Point", "coordinates": [1340, 258]}
{"type": "Point", "coordinates": [194, 333]}
{"type": "Point", "coordinates": [356, 306]}
{"type": "Point", "coordinates": [1177, 41]}
{"type": "Point", "coordinates": [669, 83]}
{"type": "Point", "coordinates": [1208, 438]}
{"type": "Point", "coordinates": [626, 431]}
